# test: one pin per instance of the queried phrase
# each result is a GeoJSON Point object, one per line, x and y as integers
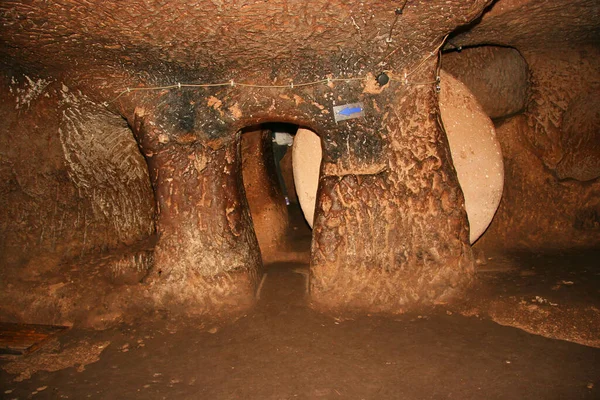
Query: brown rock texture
{"type": "Point", "coordinates": [581, 138]}
{"type": "Point", "coordinates": [207, 252]}
{"type": "Point", "coordinates": [497, 76]}
{"type": "Point", "coordinates": [563, 111]}
{"type": "Point", "coordinates": [222, 41]}
{"type": "Point", "coordinates": [359, 262]}
{"type": "Point", "coordinates": [476, 156]}
{"type": "Point", "coordinates": [74, 181]}
{"type": "Point", "coordinates": [77, 206]}
{"type": "Point", "coordinates": [551, 151]}
{"type": "Point", "coordinates": [264, 195]}
{"type": "Point", "coordinates": [537, 210]}
{"type": "Point", "coordinates": [394, 162]}
{"type": "Point", "coordinates": [534, 25]}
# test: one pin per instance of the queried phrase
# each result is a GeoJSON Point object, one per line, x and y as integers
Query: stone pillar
{"type": "Point", "coordinates": [207, 255]}
{"type": "Point", "coordinates": [390, 230]}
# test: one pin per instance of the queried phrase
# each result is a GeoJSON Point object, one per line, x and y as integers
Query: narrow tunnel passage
{"type": "Point", "coordinates": [283, 235]}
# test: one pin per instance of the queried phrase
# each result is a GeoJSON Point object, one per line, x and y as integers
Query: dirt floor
{"type": "Point", "coordinates": [284, 350]}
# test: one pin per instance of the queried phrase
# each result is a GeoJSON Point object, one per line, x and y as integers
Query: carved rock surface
{"type": "Point", "coordinates": [390, 231]}
{"type": "Point", "coordinates": [475, 151]}
{"type": "Point", "coordinates": [581, 138]}
{"type": "Point", "coordinates": [556, 92]}
{"type": "Point", "coordinates": [76, 207]}
{"type": "Point", "coordinates": [129, 58]}
{"type": "Point", "coordinates": [264, 195]}
{"type": "Point", "coordinates": [566, 214]}
{"type": "Point", "coordinates": [497, 76]}
{"type": "Point", "coordinates": [551, 190]}
{"type": "Point", "coordinates": [546, 25]}
{"type": "Point", "coordinates": [74, 181]}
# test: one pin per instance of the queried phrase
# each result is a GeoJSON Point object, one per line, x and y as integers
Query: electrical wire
{"type": "Point", "coordinates": [292, 85]}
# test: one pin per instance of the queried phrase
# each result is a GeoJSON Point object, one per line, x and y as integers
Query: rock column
{"type": "Point", "coordinates": [390, 231]}
{"type": "Point", "coordinates": [207, 255]}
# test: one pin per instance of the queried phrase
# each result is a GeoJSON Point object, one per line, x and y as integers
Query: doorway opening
{"type": "Point", "coordinates": [267, 170]}
{"type": "Point", "coordinates": [284, 235]}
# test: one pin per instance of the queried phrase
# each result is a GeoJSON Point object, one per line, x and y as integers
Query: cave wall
{"type": "Point", "coordinates": [390, 227]}
{"type": "Point", "coordinates": [264, 194]}
{"type": "Point", "coordinates": [286, 167]}
{"type": "Point", "coordinates": [563, 112]}
{"type": "Point", "coordinates": [77, 214]}
{"type": "Point", "coordinates": [73, 179]}
{"type": "Point", "coordinates": [421, 254]}
{"type": "Point", "coordinates": [497, 76]}
{"type": "Point", "coordinates": [538, 211]}
{"type": "Point", "coordinates": [552, 153]}
{"type": "Point", "coordinates": [551, 147]}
